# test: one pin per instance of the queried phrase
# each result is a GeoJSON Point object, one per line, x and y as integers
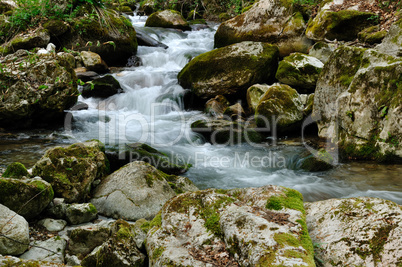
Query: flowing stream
{"type": "Point", "coordinates": [151, 111]}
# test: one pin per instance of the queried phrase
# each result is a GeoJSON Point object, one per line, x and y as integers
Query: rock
{"type": "Point", "coordinates": [101, 87]}
{"type": "Point", "coordinates": [360, 90]}
{"type": "Point", "coordinates": [372, 35]}
{"type": "Point", "coordinates": [26, 41]}
{"type": "Point", "coordinates": [27, 197]}
{"type": "Point", "coordinates": [254, 94]}
{"type": "Point", "coordinates": [84, 239]}
{"type": "Point", "coordinates": [38, 89]}
{"type": "Point", "coordinates": [141, 228]}
{"type": "Point", "coordinates": [56, 27]}
{"type": "Point", "coordinates": [53, 225]}
{"type": "Point", "coordinates": [230, 70]}
{"type": "Point", "coordinates": [51, 250]}
{"type": "Point", "coordinates": [218, 227]}
{"type": "Point", "coordinates": [315, 161]}
{"type": "Point", "coordinates": [322, 51]}
{"type": "Point", "coordinates": [221, 131]}
{"type": "Point", "coordinates": [271, 21]}
{"type": "Point", "coordinates": [279, 108]}
{"type": "Point", "coordinates": [235, 112]}
{"type": "Point", "coordinates": [85, 75]}
{"type": "Point", "coordinates": [168, 19]}
{"type": "Point", "coordinates": [145, 40]}
{"type": "Point", "coordinates": [144, 152]}
{"type": "Point", "coordinates": [119, 250]}
{"type": "Point", "coordinates": [14, 261]}
{"type": "Point", "coordinates": [308, 104]}
{"type": "Point", "coordinates": [81, 213]}
{"type": "Point", "coordinates": [93, 62]}
{"type": "Point", "coordinates": [6, 6]}
{"type": "Point", "coordinates": [15, 170]}
{"type": "Point", "coordinates": [136, 191]}
{"type": "Point", "coordinates": [72, 260]}
{"type": "Point", "coordinates": [216, 106]}
{"type": "Point", "coordinates": [15, 227]}
{"type": "Point", "coordinates": [72, 170]}
{"type": "Point", "coordinates": [57, 209]}
{"type": "Point", "coordinates": [146, 7]}
{"type": "Point", "coordinates": [113, 37]}
{"type": "Point", "coordinates": [392, 42]}
{"type": "Point", "coordinates": [300, 71]}
{"type": "Point", "coordinates": [341, 25]}
{"type": "Point", "coordinates": [356, 231]}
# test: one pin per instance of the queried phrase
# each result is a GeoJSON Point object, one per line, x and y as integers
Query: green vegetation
{"type": "Point", "coordinates": [15, 170]}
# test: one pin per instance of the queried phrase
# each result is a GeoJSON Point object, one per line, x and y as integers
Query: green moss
{"type": "Point", "coordinates": [15, 170]}
{"type": "Point", "coordinates": [92, 208]}
{"type": "Point", "coordinates": [157, 221]}
{"type": "Point", "coordinates": [292, 199]}
{"type": "Point", "coordinates": [286, 239]}
{"type": "Point", "coordinates": [157, 252]}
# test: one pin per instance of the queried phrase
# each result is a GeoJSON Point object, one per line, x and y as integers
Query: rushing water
{"type": "Point", "coordinates": [150, 110]}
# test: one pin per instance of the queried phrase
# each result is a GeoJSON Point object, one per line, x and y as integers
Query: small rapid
{"type": "Point", "coordinates": [151, 111]}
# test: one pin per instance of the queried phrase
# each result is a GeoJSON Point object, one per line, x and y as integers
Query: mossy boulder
{"type": "Point", "coordinates": [299, 71]}
{"type": "Point", "coordinates": [56, 27]}
{"type": "Point", "coordinates": [16, 228]}
{"type": "Point", "coordinates": [15, 170]}
{"type": "Point", "coordinates": [103, 87]}
{"type": "Point", "coordinates": [392, 42]}
{"type": "Point", "coordinates": [36, 90]}
{"type": "Point", "coordinates": [136, 191]}
{"type": "Point", "coordinates": [271, 21]}
{"type": "Point", "coordinates": [36, 38]}
{"type": "Point", "coordinates": [27, 197]}
{"type": "Point", "coordinates": [240, 227]}
{"type": "Point", "coordinates": [315, 161]}
{"type": "Point", "coordinates": [230, 70]}
{"type": "Point", "coordinates": [119, 250]}
{"type": "Point", "coordinates": [358, 103]}
{"type": "Point", "coordinates": [356, 231]}
{"type": "Point", "coordinates": [254, 94]}
{"type": "Point", "coordinates": [146, 153]}
{"type": "Point", "coordinates": [71, 170]}
{"type": "Point", "coordinates": [93, 62]}
{"type": "Point", "coordinates": [372, 35]}
{"type": "Point", "coordinates": [221, 131]}
{"type": "Point", "coordinates": [81, 213]}
{"type": "Point", "coordinates": [344, 24]}
{"type": "Point", "coordinates": [280, 108]}
{"type": "Point", "coordinates": [167, 19]}
{"type": "Point", "coordinates": [112, 37]}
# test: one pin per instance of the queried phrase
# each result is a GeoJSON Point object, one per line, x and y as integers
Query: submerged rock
{"type": "Point", "coordinates": [102, 87]}
{"type": "Point", "coordinates": [358, 103]}
{"type": "Point", "coordinates": [230, 70]}
{"type": "Point", "coordinates": [271, 21]}
{"type": "Point", "coordinates": [240, 227]}
{"type": "Point", "coordinates": [167, 19]}
{"type": "Point", "coordinates": [72, 170]}
{"type": "Point", "coordinates": [356, 231]}
{"type": "Point", "coordinates": [15, 227]}
{"type": "Point", "coordinates": [299, 70]}
{"type": "Point", "coordinates": [136, 191]}
{"type": "Point", "coordinates": [27, 197]}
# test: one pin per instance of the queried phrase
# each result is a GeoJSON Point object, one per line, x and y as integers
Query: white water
{"type": "Point", "coordinates": [150, 110]}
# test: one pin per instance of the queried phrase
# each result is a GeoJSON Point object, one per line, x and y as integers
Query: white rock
{"type": "Point", "coordinates": [51, 250]}
{"type": "Point", "coordinates": [13, 227]}
{"type": "Point", "coordinates": [53, 225]}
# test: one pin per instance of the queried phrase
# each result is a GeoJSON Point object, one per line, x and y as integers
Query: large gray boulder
{"type": "Point", "coordinates": [137, 190]}
{"type": "Point", "coordinates": [71, 170]}
{"type": "Point", "coordinates": [356, 232]}
{"type": "Point", "coordinates": [230, 70]}
{"type": "Point", "coordinates": [15, 232]}
{"type": "Point", "coordinates": [241, 227]}
{"type": "Point", "coordinates": [358, 103]}
{"type": "Point", "coordinates": [27, 197]}
{"type": "Point", "coordinates": [167, 19]}
{"type": "Point", "coordinates": [271, 21]}
{"type": "Point", "coordinates": [36, 90]}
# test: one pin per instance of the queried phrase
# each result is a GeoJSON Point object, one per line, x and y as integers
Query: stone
{"type": "Point", "coordinates": [57, 209]}
{"type": "Point", "coordinates": [240, 227]}
{"type": "Point", "coordinates": [27, 197]}
{"type": "Point", "coordinates": [14, 261]}
{"type": "Point", "coordinates": [357, 104]}
{"type": "Point", "coordinates": [216, 106]}
{"type": "Point", "coordinates": [81, 213]}
{"type": "Point", "coordinates": [56, 27]}
{"type": "Point", "coordinates": [270, 21]}
{"type": "Point", "coordinates": [39, 90]}
{"type": "Point", "coordinates": [322, 51]}
{"type": "Point", "coordinates": [136, 191]}
{"type": "Point", "coordinates": [15, 170]}
{"type": "Point", "coordinates": [51, 250]}
{"type": "Point", "coordinates": [359, 231]}
{"type": "Point", "coordinates": [71, 170]}
{"type": "Point", "coordinates": [230, 70]}
{"type": "Point", "coordinates": [85, 75]}
{"type": "Point", "coordinates": [93, 62]}
{"type": "Point", "coordinates": [119, 250]}
{"type": "Point", "coordinates": [372, 35]}
{"type": "Point", "coordinates": [299, 71]}
{"type": "Point", "coordinates": [392, 42]}
{"type": "Point", "coordinates": [53, 225]}
{"type": "Point", "coordinates": [221, 131]}
{"type": "Point", "coordinates": [342, 25]}
{"type": "Point", "coordinates": [167, 19]}
{"type": "Point", "coordinates": [280, 108]}
{"type": "Point", "coordinates": [103, 87]}
{"type": "Point", "coordinates": [254, 94]}
{"type": "Point", "coordinates": [15, 227]}
{"type": "Point", "coordinates": [26, 41]}
{"type": "Point", "coordinates": [315, 161]}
